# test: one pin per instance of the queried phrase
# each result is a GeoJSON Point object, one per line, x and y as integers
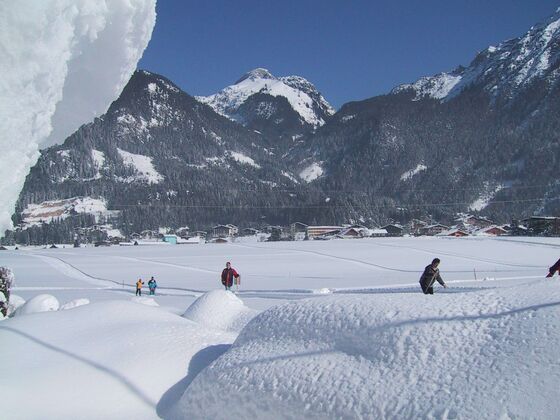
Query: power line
{"type": "Point", "coordinates": [397, 205]}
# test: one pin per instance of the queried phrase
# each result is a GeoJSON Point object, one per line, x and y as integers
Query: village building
{"type": "Point", "coordinates": [170, 239]}
{"type": "Point", "coordinates": [416, 225]}
{"type": "Point", "coordinates": [183, 232]}
{"type": "Point", "coordinates": [223, 231]}
{"type": "Point", "coordinates": [250, 231]}
{"type": "Point", "coordinates": [351, 233]}
{"type": "Point", "coordinates": [432, 230]}
{"type": "Point", "coordinates": [393, 229]}
{"type": "Point", "coordinates": [477, 221]}
{"type": "Point", "coordinates": [543, 225]}
{"type": "Point", "coordinates": [493, 230]}
{"type": "Point", "coordinates": [316, 231]}
{"type": "Point", "coordinates": [298, 227]}
{"type": "Point", "coordinates": [454, 232]}
{"type": "Point", "coordinates": [378, 232]}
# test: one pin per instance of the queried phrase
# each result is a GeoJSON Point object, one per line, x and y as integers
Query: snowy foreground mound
{"type": "Point", "coordinates": [107, 360]}
{"type": "Point", "coordinates": [220, 310]}
{"type": "Point", "coordinates": [484, 354]}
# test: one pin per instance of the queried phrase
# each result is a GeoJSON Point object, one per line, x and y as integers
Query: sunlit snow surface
{"type": "Point", "coordinates": [63, 62]}
{"type": "Point", "coordinates": [347, 333]}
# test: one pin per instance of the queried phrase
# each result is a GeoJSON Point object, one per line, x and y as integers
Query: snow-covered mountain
{"type": "Point", "coordinates": [501, 70]}
{"type": "Point", "coordinates": [486, 133]}
{"type": "Point", "coordinates": [482, 137]}
{"type": "Point", "coordinates": [302, 96]}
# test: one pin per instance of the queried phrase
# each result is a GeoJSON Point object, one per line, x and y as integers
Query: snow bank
{"type": "Point", "coordinates": [74, 304]}
{"type": "Point", "coordinates": [63, 62]}
{"type": "Point", "coordinates": [490, 354]}
{"type": "Point", "coordinates": [39, 303]}
{"type": "Point", "coordinates": [108, 360]}
{"type": "Point", "coordinates": [145, 301]}
{"type": "Point", "coordinates": [219, 309]}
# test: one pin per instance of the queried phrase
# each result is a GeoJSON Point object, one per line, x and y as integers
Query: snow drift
{"type": "Point", "coordinates": [110, 360]}
{"type": "Point", "coordinates": [40, 303]}
{"type": "Point", "coordinates": [220, 310]}
{"type": "Point", "coordinates": [490, 353]}
{"type": "Point", "coordinates": [63, 62]}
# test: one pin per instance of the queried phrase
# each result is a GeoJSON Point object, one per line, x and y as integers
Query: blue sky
{"type": "Point", "coordinates": [350, 49]}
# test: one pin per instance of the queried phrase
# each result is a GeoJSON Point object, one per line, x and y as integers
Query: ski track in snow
{"type": "Point", "coordinates": [70, 270]}
{"type": "Point", "coordinates": [426, 251]}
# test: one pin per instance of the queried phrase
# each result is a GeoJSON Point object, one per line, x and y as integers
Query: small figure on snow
{"type": "Point", "coordinates": [139, 285]}
{"type": "Point", "coordinates": [554, 269]}
{"type": "Point", "coordinates": [228, 275]}
{"type": "Point", "coordinates": [429, 277]}
{"type": "Point", "coordinates": [152, 284]}
{"type": "Point", "coordinates": [6, 282]}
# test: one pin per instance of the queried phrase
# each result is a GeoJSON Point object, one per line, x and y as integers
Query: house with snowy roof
{"type": "Point", "coordinates": [432, 230]}
{"type": "Point", "coordinates": [222, 231]}
{"type": "Point", "coordinates": [492, 231]}
{"type": "Point", "coordinates": [317, 231]}
{"type": "Point", "coordinates": [454, 232]}
{"type": "Point", "coordinates": [393, 229]}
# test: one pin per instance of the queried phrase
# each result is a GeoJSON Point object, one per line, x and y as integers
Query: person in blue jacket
{"type": "Point", "coordinates": [152, 284]}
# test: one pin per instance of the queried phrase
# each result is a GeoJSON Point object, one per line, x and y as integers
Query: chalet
{"type": "Point", "coordinates": [220, 241]}
{"type": "Point", "coordinates": [200, 233]}
{"type": "Point", "coordinates": [351, 233]}
{"type": "Point", "coordinates": [234, 229]}
{"type": "Point", "coordinates": [149, 234]}
{"type": "Point", "coordinates": [170, 239]}
{"type": "Point", "coordinates": [543, 225]}
{"type": "Point", "coordinates": [250, 232]}
{"type": "Point", "coordinates": [183, 232]}
{"type": "Point", "coordinates": [273, 228]}
{"type": "Point", "coordinates": [416, 225]}
{"type": "Point", "coordinates": [456, 233]}
{"type": "Point", "coordinates": [316, 231]}
{"type": "Point", "coordinates": [393, 230]}
{"type": "Point", "coordinates": [378, 232]}
{"type": "Point", "coordinates": [432, 230]}
{"type": "Point", "coordinates": [478, 222]}
{"type": "Point", "coordinates": [298, 227]}
{"type": "Point", "coordinates": [493, 230]}
{"type": "Point", "coordinates": [223, 231]}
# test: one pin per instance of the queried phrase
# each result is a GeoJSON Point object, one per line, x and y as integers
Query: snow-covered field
{"type": "Point", "coordinates": [339, 329]}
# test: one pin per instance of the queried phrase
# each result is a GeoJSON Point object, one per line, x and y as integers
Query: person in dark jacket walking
{"type": "Point", "coordinates": [429, 277]}
{"type": "Point", "coordinates": [554, 269]}
{"type": "Point", "coordinates": [228, 274]}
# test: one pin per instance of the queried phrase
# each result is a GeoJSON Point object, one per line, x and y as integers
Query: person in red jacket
{"type": "Point", "coordinates": [228, 274]}
{"type": "Point", "coordinates": [554, 269]}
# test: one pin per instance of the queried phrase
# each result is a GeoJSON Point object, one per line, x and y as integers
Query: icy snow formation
{"type": "Point", "coordinates": [485, 354]}
{"type": "Point", "coordinates": [221, 310]}
{"type": "Point", "coordinates": [63, 62]}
